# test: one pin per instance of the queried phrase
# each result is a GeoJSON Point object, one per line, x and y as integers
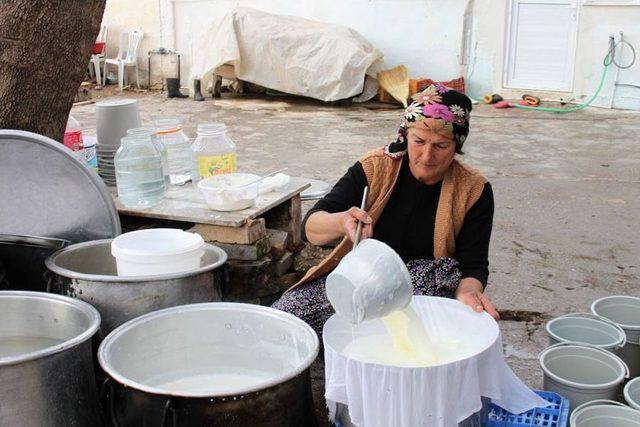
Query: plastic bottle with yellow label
{"type": "Point", "coordinates": [214, 153]}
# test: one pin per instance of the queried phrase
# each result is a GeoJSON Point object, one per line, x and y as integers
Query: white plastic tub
{"type": "Point", "coordinates": [157, 251]}
{"type": "Point", "coordinates": [582, 372]}
{"type": "Point", "coordinates": [230, 191]}
{"type": "Point", "coordinates": [625, 312]}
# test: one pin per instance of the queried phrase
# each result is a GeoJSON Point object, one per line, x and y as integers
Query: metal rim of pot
{"type": "Point", "coordinates": [51, 264]}
{"type": "Point", "coordinates": [594, 309]}
{"type": "Point", "coordinates": [583, 346]}
{"type": "Point", "coordinates": [87, 309]}
{"type": "Point", "coordinates": [613, 345]}
{"type": "Point", "coordinates": [116, 333]}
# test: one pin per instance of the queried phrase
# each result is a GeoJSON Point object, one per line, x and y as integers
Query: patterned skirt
{"type": "Point", "coordinates": [309, 301]}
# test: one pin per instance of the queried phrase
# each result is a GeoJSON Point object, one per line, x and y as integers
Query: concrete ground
{"type": "Point", "coordinates": [567, 190]}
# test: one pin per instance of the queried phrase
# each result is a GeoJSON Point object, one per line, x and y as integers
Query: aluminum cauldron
{"type": "Point", "coordinates": [87, 271]}
{"type": "Point", "coordinates": [215, 364]}
{"type": "Point", "coordinates": [46, 362]}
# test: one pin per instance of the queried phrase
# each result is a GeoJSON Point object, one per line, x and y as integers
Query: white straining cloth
{"type": "Point", "coordinates": [438, 396]}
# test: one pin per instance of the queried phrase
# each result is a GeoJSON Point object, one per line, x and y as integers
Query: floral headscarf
{"type": "Point", "coordinates": [444, 110]}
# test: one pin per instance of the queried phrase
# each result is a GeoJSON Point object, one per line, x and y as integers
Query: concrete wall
{"type": "Point", "coordinates": [596, 23]}
{"type": "Point", "coordinates": [148, 16]}
{"type": "Point", "coordinates": [426, 35]}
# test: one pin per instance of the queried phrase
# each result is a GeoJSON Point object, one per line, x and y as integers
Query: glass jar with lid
{"type": "Point", "coordinates": [139, 177]}
{"type": "Point", "coordinates": [214, 152]}
{"type": "Point", "coordinates": [169, 132]}
{"type": "Point", "coordinates": [150, 133]}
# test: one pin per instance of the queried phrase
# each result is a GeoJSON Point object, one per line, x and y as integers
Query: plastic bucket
{"type": "Point", "coordinates": [157, 251]}
{"type": "Point", "coordinates": [370, 282]}
{"type": "Point", "coordinates": [607, 413]}
{"type": "Point", "coordinates": [625, 312]}
{"type": "Point", "coordinates": [586, 328]}
{"type": "Point", "coordinates": [582, 372]}
{"type": "Point", "coordinates": [632, 393]}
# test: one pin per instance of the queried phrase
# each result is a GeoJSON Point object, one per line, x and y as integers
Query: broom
{"type": "Point", "coordinates": [396, 82]}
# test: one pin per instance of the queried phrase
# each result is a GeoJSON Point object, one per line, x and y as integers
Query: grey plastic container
{"type": "Point", "coordinates": [600, 413]}
{"type": "Point", "coordinates": [625, 312]}
{"type": "Point", "coordinates": [586, 328]}
{"type": "Point", "coordinates": [581, 372]}
{"type": "Point", "coordinates": [632, 393]}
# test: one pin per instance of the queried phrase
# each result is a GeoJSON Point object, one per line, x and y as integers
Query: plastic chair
{"type": "Point", "coordinates": [125, 58]}
{"type": "Point", "coordinates": [97, 59]}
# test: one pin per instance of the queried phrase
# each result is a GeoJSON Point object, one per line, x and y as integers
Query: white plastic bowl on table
{"type": "Point", "coordinates": [157, 251]}
{"type": "Point", "coordinates": [231, 191]}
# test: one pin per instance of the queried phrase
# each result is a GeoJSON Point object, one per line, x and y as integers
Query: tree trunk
{"type": "Point", "coordinates": [45, 46]}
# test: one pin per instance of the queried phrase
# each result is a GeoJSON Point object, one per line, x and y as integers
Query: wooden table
{"type": "Point", "coordinates": [260, 241]}
{"type": "Point", "coordinates": [187, 204]}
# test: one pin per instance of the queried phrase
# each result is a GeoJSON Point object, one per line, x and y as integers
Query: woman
{"type": "Point", "coordinates": [433, 210]}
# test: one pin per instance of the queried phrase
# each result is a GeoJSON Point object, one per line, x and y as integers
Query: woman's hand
{"type": "Point", "coordinates": [323, 228]}
{"type": "Point", "coordinates": [350, 220]}
{"type": "Point", "coordinates": [470, 292]}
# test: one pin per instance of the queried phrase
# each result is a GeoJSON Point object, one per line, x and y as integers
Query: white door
{"type": "Point", "coordinates": [541, 44]}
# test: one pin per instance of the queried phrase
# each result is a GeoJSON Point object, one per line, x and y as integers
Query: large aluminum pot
{"type": "Point", "coordinates": [216, 364]}
{"type": "Point", "coordinates": [46, 363]}
{"type": "Point", "coordinates": [87, 271]}
{"type": "Point", "coordinates": [23, 257]}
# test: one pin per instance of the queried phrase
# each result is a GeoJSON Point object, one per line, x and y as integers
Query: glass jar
{"type": "Point", "coordinates": [169, 132]}
{"type": "Point", "coordinates": [139, 177]}
{"type": "Point", "coordinates": [214, 152]}
{"type": "Point", "coordinates": [151, 133]}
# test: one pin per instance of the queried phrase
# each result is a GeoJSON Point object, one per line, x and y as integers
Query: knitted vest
{"type": "Point", "coordinates": [461, 188]}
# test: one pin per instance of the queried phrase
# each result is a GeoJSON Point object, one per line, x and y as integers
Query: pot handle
{"type": "Point", "coordinates": [168, 409]}
{"type": "Point", "coordinates": [602, 319]}
{"type": "Point", "coordinates": [107, 392]}
{"type": "Point", "coordinates": [35, 241]}
{"type": "Point", "coordinates": [595, 347]}
{"type": "Point", "coordinates": [49, 279]}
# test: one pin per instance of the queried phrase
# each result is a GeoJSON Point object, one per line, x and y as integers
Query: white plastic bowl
{"type": "Point", "coordinates": [230, 191]}
{"type": "Point", "coordinates": [157, 251]}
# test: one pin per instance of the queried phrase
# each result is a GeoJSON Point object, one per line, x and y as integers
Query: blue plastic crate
{"type": "Point", "coordinates": [556, 415]}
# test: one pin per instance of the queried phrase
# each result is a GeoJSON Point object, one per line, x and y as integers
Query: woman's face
{"type": "Point", "coordinates": [430, 154]}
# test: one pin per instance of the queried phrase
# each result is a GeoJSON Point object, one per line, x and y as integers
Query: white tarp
{"type": "Point", "coordinates": [288, 54]}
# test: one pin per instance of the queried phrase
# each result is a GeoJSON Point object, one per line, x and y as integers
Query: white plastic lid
{"type": "Point", "coordinates": [115, 102]}
{"type": "Point", "coordinates": [155, 242]}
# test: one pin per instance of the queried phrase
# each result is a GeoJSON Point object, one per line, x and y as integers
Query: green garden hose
{"type": "Point", "coordinates": [608, 60]}
{"type": "Point", "coordinates": [577, 107]}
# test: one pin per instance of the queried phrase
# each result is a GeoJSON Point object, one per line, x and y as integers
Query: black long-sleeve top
{"type": "Point", "coordinates": [407, 222]}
